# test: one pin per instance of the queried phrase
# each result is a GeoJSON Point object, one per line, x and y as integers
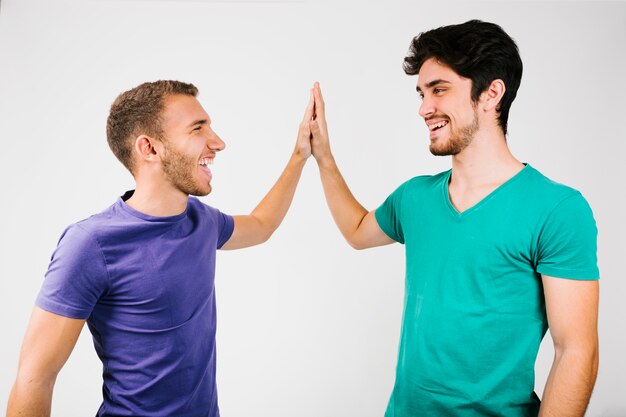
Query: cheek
{"type": "Point", "coordinates": [192, 149]}
{"type": "Point", "coordinates": [462, 116]}
{"type": "Point", "coordinates": [199, 144]}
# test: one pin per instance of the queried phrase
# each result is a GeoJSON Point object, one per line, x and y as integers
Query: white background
{"type": "Point", "coordinates": [307, 326]}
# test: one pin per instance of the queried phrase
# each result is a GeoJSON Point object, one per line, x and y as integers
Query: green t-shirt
{"type": "Point", "coordinates": [474, 311]}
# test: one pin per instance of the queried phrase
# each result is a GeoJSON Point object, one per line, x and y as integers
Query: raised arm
{"type": "Point", "coordinates": [48, 343]}
{"type": "Point", "coordinates": [356, 223]}
{"type": "Point", "coordinates": [572, 309]}
{"type": "Point", "coordinates": [258, 226]}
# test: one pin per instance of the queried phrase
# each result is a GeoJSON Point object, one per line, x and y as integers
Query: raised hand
{"type": "Point", "coordinates": [259, 225]}
{"type": "Point", "coordinates": [320, 144]}
{"type": "Point", "coordinates": [303, 142]}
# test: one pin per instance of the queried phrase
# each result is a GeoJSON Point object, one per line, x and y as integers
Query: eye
{"type": "Point", "coordinates": [438, 90]}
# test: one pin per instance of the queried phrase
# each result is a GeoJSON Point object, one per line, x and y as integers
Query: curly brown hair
{"type": "Point", "coordinates": [138, 111]}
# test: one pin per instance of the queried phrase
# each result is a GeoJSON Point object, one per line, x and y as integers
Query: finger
{"type": "Point", "coordinates": [310, 108]}
{"type": "Point", "coordinates": [319, 101]}
{"type": "Point", "coordinates": [319, 91]}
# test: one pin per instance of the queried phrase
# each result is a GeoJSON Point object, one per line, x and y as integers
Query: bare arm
{"type": "Point", "coordinates": [357, 224]}
{"type": "Point", "coordinates": [48, 343]}
{"type": "Point", "coordinates": [258, 226]}
{"type": "Point", "coordinates": [572, 309]}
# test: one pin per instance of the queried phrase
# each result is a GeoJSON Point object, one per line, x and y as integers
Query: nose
{"type": "Point", "coordinates": [215, 143]}
{"type": "Point", "coordinates": [427, 108]}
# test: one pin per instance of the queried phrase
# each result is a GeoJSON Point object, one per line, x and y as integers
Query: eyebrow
{"type": "Point", "coordinates": [432, 84]}
{"type": "Point", "coordinates": [199, 122]}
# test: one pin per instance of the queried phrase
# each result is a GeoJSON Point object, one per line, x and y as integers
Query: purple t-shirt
{"type": "Point", "coordinates": [145, 285]}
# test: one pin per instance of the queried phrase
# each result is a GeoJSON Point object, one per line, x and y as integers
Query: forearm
{"type": "Point", "coordinates": [347, 212]}
{"type": "Point", "coordinates": [271, 211]}
{"type": "Point", "coordinates": [30, 397]}
{"type": "Point", "coordinates": [570, 383]}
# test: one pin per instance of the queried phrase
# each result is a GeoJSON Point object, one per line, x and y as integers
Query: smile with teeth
{"type": "Point", "coordinates": [206, 161]}
{"type": "Point", "coordinates": [437, 125]}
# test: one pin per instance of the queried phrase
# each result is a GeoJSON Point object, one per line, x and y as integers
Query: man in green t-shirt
{"type": "Point", "coordinates": [495, 252]}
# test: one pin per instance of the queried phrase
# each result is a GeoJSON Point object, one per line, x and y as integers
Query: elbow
{"type": "Point", "coordinates": [31, 373]}
{"type": "Point", "coordinates": [595, 360]}
{"type": "Point", "coordinates": [356, 244]}
{"type": "Point", "coordinates": [588, 354]}
{"type": "Point", "coordinates": [586, 358]}
{"type": "Point", "coordinates": [265, 233]}
{"type": "Point", "coordinates": [265, 237]}
{"type": "Point", "coordinates": [27, 380]}
{"type": "Point", "coordinates": [31, 389]}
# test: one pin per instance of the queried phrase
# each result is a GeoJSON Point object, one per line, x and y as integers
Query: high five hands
{"type": "Point", "coordinates": [319, 130]}
{"type": "Point", "coordinates": [313, 131]}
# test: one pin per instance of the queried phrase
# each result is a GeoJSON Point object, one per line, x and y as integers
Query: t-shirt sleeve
{"type": "Point", "coordinates": [567, 245]}
{"type": "Point", "coordinates": [77, 276]}
{"type": "Point", "coordinates": [388, 215]}
{"type": "Point", "coordinates": [225, 227]}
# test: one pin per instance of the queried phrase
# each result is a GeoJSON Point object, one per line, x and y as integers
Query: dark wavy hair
{"type": "Point", "coordinates": [480, 51]}
{"type": "Point", "coordinates": [138, 111]}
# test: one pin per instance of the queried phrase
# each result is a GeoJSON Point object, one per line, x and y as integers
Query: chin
{"type": "Point", "coordinates": [439, 149]}
{"type": "Point", "coordinates": [197, 190]}
{"type": "Point", "coordinates": [450, 146]}
{"type": "Point", "coordinates": [206, 190]}
{"type": "Point", "coordinates": [202, 192]}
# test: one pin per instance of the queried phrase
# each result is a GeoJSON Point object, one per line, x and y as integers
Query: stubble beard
{"type": "Point", "coordinates": [457, 141]}
{"type": "Point", "coordinates": [179, 170]}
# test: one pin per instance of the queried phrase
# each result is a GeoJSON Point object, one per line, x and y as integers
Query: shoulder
{"type": "Point", "coordinates": [79, 239]}
{"type": "Point", "coordinates": [424, 182]}
{"type": "Point", "coordinates": [549, 189]}
{"type": "Point", "coordinates": [88, 228]}
{"type": "Point", "coordinates": [78, 253]}
{"type": "Point", "coordinates": [97, 224]}
{"type": "Point", "coordinates": [428, 180]}
{"type": "Point", "coordinates": [566, 235]}
{"type": "Point", "coordinates": [419, 188]}
{"type": "Point", "coordinates": [202, 213]}
{"type": "Point", "coordinates": [215, 222]}
{"type": "Point", "coordinates": [563, 211]}
{"type": "Point", "coordinates": [197, 206]}
{"type": "Point", "coordinates": [543, 196]}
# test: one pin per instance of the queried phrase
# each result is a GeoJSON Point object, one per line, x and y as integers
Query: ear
{"type": "Point", "coordinates": [493, 95]}
{"type": "Point", "coordinates": [147, 148]}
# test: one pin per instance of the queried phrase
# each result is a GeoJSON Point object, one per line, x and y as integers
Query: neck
{"type": "Point", "coordinates": [486, 160]}
{"type": "Point", "coordinates": [159, 200]}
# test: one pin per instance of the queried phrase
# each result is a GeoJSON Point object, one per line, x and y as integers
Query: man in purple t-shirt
{"type": "Point", "coordinates": [141, 273]}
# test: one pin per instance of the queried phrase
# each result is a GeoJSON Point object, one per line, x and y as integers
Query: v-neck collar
{"type": "Point", "coordinates": [484, 200]}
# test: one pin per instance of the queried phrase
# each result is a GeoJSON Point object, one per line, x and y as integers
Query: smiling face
{"type": "Point", "coordinates": [447, 108]}
{"type": "Point", "coordinates": [190, 145]}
